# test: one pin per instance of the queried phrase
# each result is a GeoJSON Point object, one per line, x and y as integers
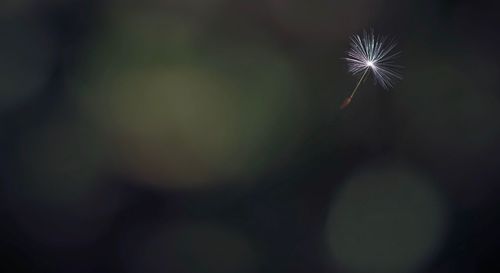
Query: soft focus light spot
{"type": "Point", "coordinates": [385, 220]}
{"type": "Point", "coordinates": [369, 63]}
{"type": "Point", "coordinates": [201, 248]}
{"type": "Point", "coordinates": [187, 119]}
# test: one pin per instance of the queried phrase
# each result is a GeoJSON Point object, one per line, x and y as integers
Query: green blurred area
{"type": "Point", "coordinates": [182, 112]}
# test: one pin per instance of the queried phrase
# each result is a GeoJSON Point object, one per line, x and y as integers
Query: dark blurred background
{"type": "Point", "coordinates": [204, 136]}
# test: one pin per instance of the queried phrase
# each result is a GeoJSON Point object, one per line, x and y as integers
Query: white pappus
{"type": "Point", "coordinates": [369, 52]}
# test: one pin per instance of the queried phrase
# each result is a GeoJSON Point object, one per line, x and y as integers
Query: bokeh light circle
{"type": "Point", "coordinates": [386, 219]}
{"type": "Point", "coordinates": [182, 116]}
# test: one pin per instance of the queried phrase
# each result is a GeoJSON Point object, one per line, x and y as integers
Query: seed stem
{"type": "Point", "coordinates": [347, 101]}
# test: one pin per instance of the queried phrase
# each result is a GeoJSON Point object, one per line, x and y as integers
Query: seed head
{"type": "Point", "coordinates": [376, 54]}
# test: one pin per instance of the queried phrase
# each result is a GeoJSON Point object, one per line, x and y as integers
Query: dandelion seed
{"type": "Point", "coordinates": [372, 53]}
